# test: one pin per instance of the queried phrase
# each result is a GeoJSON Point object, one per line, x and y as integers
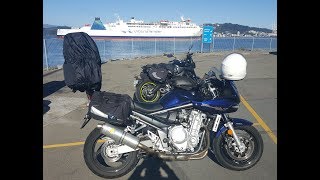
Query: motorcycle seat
{"type": "Point", "coordinates": [145, 107]}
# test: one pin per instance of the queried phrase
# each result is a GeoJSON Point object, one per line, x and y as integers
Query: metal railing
{"type": "Point", "coordinates": [138, 47]}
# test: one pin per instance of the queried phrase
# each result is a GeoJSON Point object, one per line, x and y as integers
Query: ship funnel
{"type": "Point", "coordinates": [97, 24]}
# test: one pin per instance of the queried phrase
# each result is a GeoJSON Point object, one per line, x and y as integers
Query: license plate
{"type": "Point", "coordinates": [216, 123]}
{"type": "Point", "coordinates": [135, 82]}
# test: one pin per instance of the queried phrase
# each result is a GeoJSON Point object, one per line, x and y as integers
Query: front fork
{"type": "Point", "coordinates": [229, 125]}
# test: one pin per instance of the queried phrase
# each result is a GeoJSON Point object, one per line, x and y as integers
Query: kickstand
{"type": "Point", "coordinates": [86, 120]}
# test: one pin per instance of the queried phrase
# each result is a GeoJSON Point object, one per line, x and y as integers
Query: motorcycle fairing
{"type": "Point", "coordinates": [236, 123]}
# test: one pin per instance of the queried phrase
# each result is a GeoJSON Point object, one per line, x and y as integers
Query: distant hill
{"type": "Point", "coordinates": [51, 30]}
{"type": "Point", "coordinates": [234, 28]}
{"type": "Point", "coordinates": [49, 26]}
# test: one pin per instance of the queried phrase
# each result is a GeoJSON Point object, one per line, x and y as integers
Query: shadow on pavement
{"type": "Point", "coordinates": [51, 87]}
{"type": "Point", "coordinates": [46, 106]}
{"type": "Point", "coordinates": [151, 167]}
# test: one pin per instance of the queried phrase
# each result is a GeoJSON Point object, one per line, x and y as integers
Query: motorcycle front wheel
{"type": "Point", "coordinates": [99, 163]}
{"type": "Point", "coordinates": [144, 94]}
{"type": "Point", "coordinates": [230, 157]}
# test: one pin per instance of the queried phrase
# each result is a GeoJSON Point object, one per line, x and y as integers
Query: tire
{"type": "Point", "coordinates": [254, 149]}
{"type": "Point", "coordinates": [142, 94]}
{"type": "Point", "coordinates": [96, 163]}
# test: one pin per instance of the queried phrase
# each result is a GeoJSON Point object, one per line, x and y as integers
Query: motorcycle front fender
{"type": "Point", "coordinates": [236, 123]}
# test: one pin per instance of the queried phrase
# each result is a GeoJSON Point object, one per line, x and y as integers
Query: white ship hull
{"type": "Point", "coordinates": [106, 33]}
{"type": "Point", "coordinates": [139, 29]}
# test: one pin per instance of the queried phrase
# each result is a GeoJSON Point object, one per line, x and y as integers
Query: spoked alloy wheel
{"type": "Point", "coordinates": [97, 160]}
{"type": "Point", "coordinates": [231, 157]}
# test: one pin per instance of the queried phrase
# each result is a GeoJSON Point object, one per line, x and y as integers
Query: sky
{"type": "Point", "coordinates": [76, 13]}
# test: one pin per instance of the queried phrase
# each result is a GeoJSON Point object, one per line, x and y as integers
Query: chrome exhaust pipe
{"type": "Point", "coordinates": [118, 135]}
{"type": "Point", "coordinates": [122, 137]}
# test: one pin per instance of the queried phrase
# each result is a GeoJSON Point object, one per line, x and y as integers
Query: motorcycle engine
{"type": "Point", "coordinates": [185, 137]}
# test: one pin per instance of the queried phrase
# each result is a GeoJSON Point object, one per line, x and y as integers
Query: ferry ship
{"type": "Point", "coordinates": [138, 29]}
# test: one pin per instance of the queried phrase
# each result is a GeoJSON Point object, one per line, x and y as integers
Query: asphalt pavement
{"type": "Point", "coordinates": [63, 113]}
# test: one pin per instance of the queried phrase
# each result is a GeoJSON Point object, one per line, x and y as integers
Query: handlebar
{"type": "Point", "coordinates": [188, 57]}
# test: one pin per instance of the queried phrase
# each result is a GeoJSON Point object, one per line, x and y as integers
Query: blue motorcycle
{"type": "Point", "coordinates": [183, 125]}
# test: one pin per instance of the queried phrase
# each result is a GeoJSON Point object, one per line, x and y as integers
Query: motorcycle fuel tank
{"type": "Point", "coordinates": [179, 97]}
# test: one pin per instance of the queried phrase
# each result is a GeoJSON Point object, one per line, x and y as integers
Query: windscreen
{"type": "Point", "coordinates": [214, 71]}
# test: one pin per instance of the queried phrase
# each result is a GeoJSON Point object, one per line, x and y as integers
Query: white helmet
{"type": "Point", "coordinates": [234, 67]}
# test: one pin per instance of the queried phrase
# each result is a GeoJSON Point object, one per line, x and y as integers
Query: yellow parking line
{"type": "Point", "coordinates": [63, 145]}
{"type": "Point", "coordinates": [66, 144]}
{"type": "Point", "coordinates": [255, 124]}
{"type": "Point", "coordinates": [259, 119]}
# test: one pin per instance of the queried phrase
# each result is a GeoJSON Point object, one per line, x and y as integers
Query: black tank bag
{"type": "Point", "coordinates": [158, 72]}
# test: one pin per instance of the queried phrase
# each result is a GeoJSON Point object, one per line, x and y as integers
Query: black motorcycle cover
{"type": "Point", "coordinates": [82, 65]}
{"type": "Point", "coordinates": [116, 106]}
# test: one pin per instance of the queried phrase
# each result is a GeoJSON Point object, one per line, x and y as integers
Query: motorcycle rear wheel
{"type": "Point", "coordinates": [227, 155]}
{"type": "Point", "coordinates": [143, 92]}
{"type": "Point", "coordinates": [106, 167]}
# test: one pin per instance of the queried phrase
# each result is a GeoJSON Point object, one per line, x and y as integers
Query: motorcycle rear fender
{"type": "Point", "coordinates": [236, 123]}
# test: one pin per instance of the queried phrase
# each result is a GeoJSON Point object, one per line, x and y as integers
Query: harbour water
{"type": "Point", "coordinates": [129, 48]}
